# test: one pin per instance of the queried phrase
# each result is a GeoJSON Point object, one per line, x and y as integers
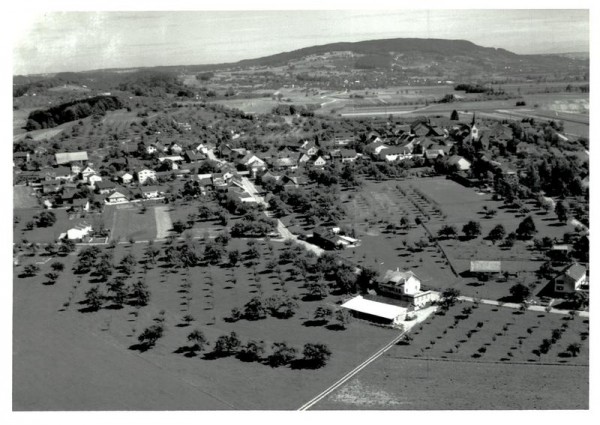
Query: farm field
{"type": "Point", "coordinates": [375, 205]}
{"type": "Point", "coordinates": [95, 367]}
{"type": "Point", "coordinates": [457, 361]}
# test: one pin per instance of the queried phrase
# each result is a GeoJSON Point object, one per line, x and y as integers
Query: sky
{"type": "Point", "coordinates": [77, 41]}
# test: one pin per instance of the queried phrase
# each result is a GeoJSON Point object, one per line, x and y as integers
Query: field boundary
{"type": "Point", "coordinates": [439, 359]}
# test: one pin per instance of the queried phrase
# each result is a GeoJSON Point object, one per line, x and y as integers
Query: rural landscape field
{"type": "Point", "coordinates": [385, 224]}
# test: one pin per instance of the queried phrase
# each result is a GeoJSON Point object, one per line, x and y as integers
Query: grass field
{"type": "Point", "coordinates": [46, 234]}
{"type": "Point", "coordinates": [24, 197]}
{"type": "Point", "coordinates": [484, 361]}
{"type": "Point", "coordinates": [126, 221]}
{"type": "Point", "coordinates": [87, 348]}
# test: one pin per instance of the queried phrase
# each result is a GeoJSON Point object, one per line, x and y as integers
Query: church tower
{"type": "Point", "coordinates": [474, 130]}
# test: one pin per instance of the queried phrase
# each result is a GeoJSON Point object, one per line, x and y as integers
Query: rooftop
{"type": "Point", "coordinates": [374, 308]}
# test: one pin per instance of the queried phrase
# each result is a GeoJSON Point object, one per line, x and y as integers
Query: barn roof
{"type": "Point", "coordinates": [486, 266]}
{"type": "Point", "coordinates": [374, 308]}
{"type": "Point", "coordinates": [66, 157]}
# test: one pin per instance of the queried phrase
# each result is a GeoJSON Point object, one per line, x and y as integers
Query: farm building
{"type": "Point", "coordinates": [405, 286]}
{"type": "Point", "coordinates": [484, 266]}
{"type": "Point", "coordinates": [331, 239]}
{"type": "Point", "coordinates": [572, 279]}
{"type": "Point", "coordinates": [69, 157]}
{"type": "Point", "coordinates": [376, 311]}
{"type": "Point", "coordinates": [119, 196]}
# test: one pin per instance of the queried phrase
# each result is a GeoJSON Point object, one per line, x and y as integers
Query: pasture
{"type": "Point", "coordinates": [24, 197]}
{"type": "Point", "coordinates": [49, 328]}
{"type": "Point", "coordinates": [128, 221]}
{"type": "Point", "coordinates": [486, 359]}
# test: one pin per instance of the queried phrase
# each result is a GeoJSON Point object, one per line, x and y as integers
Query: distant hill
{"type": "Point", "coordinates": [396, 45]}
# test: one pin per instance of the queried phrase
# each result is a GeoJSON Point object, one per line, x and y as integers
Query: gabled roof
{"type": "Point", "coordinates": [398, 277]}
{"type": "Point", "coordinates": [455, 159]}
{"type": "Point", "coordinates": [66, 157]}
{"type": "Point", "coordinates": [348, 153]}
{"type": "Point", "coordinates": [575, 271]}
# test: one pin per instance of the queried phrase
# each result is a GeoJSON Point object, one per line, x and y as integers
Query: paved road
{"type": "Point", "coordinates": [538, 308]}
{"type": "Point", "coordinates": [421, 316]}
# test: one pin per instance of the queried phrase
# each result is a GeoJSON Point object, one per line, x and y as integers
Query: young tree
{"type": "Point", "coordinates": [323, 313]}
{"type": "Point", "coordinates": [31, 270]}
{"type": "Point", "coordinates": [316, 290]}
{"type": "Point", "coordinates": [151, 252]}
{"type": "Point", "coordinates": [472, 229]}
{"type": "Point", "coordinates": [57, 266]}
{"type": "Point", "coordinates": [179, 226]}
{"type": "Point", "coordinates": [454, 115]}
{"type": "Point", "coordinates": [255, 309]}
{"type": "Point", "coordinates": [227, 345]}
{"type": "Point", "coordinates": [497, 233]}
{"type": "Point", "coordinates": [519, 292]}
{"type": "Point", "coordinates": [213, 252]}
{"type": "Point", "coordinates": [140, 293]}
{"type": "Point", "coordinates": [252, 351]}
{"type": "Point", "coordinates": [574, 349]}
{"type": "Point", "coordinates": [198, 339]}
{"type": "Point", "coordinates": [94, 299]}
{"type": "Point", "coordinates": [343, 318]}
{"type": "Point", "coordinates": [128, 264]}
{"type": "Point", "coordinates": [150, 335]}
{"type": "Point", "coordinates": [281, 355]}
{"type": "Point", "coordinates": [52, 277]}
{"type": "Point", "coordinates": [316, 355]}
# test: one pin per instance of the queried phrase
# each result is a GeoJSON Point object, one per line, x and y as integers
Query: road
{"type": "Point", "coordinates": [537, 308]}
{"type": "Point", "coordinates": [421, 316]}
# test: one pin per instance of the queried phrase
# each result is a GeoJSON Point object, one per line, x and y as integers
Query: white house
{"type": "Point", "coordinates": [117, 197]}
{"type": "Point", "coordinates": [151, 192]}
{"type": "Point", "coordinates": [125, 177]}
{"type": "Point", "coordinates": [79, 232]}
{"type": "Point", "coordinates": [572, 279]}
{"type": "Point", "coordinates": [319, 162]}
{"type": "Point", "coordinates": [87, 172]}
{"type": "Point", "coordinates": [145, 174]}
{"type": "Point", "coordinates": [406, 286]}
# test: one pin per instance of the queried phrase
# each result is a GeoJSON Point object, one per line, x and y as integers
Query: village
{"type": "Point", "coordinates": [381, 224]}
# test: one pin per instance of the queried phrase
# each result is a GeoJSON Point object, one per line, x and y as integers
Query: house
{"type": "Point", "coordinates": [119, 196]}
{"type": "Point", "coordinates": [193, 156]}
{"type": "Point", "coordinates": [376, 311]}
{"type": "Point", "coordinates": [146, 174]}
{"type": "Point", "coordinates": [151, 192]}
{"type": "Point", "coordinates": [309, 148]}
{"type": "Point", "coordinates": [87, 172]}
{"type": "Point", "coordinates": [484, 266]}
{"type": "Point", "coordinates": [459, 162]}
{"type": "Point", "coordinates": [433, 153]}
{"type": "Point", "coordinates": [51, 186]}
{"type": "Point", "coordinates": [252, 163]}
{"type": "Point", "coordinates": [572, 279]}
{"type": "Point", "coordinates": [175, 149]}
{"type": "Point", "coordinates": [105, 186]}
{"type": "Point", "coordinates": [283, 164]}
{"type": "Point", "coordinates": [58, 173]}
{"type": "Point", "coordinates": [318, 162]}
{"type": "Point", "coordinates": [406, 286]}
{"type": "Point", "coordinates": [80, 204]}
{"type": "Point", "coordinates": [292, 181]}
{"type": "Point", "coordinates": [124, 177]}
{"type": "Point", "coordinates": [241, 195]}
{"type": "Point", "coordinates": [348, 155]}
{"type": "Point", "coordinates": [397, 153]}
{"type": "Point", "coordinates": [331, 239]}
{"type": "Point", "coordinates": [78, 232]}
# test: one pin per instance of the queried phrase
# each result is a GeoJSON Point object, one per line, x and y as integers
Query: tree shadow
{"type": "Point", "coordinates": [141, 347]}
{"type": "Point", "coordinates": [335, 327]}
{"type": "Point", "coordinates": [313, 323]}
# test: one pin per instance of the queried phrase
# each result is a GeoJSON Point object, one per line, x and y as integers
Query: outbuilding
{"type": "Point", "coordinates": [376, 311]}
